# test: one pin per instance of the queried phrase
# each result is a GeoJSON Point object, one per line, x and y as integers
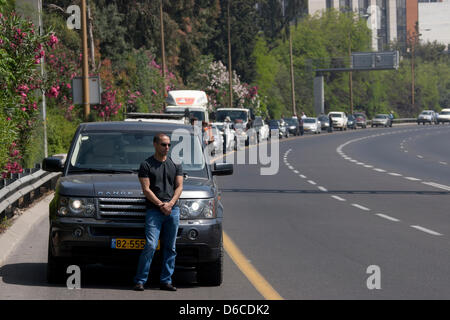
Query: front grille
{"type": "Point", "coordinates": [121, 207]}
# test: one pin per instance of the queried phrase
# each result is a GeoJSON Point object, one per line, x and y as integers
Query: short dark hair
{"type": "Point", "coordinates": [159, 136]}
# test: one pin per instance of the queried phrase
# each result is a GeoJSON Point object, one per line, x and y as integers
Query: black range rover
{"type": "Point", "coordinates": [97, 214]}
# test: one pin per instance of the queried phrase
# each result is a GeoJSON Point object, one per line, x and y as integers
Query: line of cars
{"type": "Point", "coordinates": [432, 117]}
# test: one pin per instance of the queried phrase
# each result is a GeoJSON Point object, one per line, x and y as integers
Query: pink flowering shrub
{"type": "Point", "coordinates": [21, 49]}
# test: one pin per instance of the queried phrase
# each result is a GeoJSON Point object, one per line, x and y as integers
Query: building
{"type": "Point", "coordinates": [434, 17]}
{"type": "Point", "coordinates": [390, 20]}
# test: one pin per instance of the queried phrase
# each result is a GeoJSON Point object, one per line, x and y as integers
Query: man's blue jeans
{"type": "Point", "coordinates": [155, 221]}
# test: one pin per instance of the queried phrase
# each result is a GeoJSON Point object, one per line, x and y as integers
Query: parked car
{"type": "Point", "coordinates": [351, 122]}
{"type": "Point", "coordinates": [339, 119]}
{"type": "Point", "coordinates": [312, 125]}
{"type": "Point", "coordinates": [444, 116]}
{"type": "Point", "coordinates": [261, 128]}
{"type": "Point", "coordinates": [98, 211]}
{"type": "Point", "coordinates": [324, 122]}
{"type": "Point", "coordinates": [276, 125]}
{"type": "Point", "coordinates": [381, 120]}
{"type": "Point", "coordinates": [293, 126]}
{"type": "Point", "coordinates": [427, 116]}
{"type": "Point", "coordinates": [361, 119]}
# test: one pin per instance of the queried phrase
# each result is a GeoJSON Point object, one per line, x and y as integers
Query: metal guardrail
{"type": "Point", "coordinates": [25, 186]}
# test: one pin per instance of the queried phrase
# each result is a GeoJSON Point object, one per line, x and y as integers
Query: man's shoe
{"type": "Point", "coordinates": [167, 287]}
{"type": "Point", "coordinates": [138, 287]}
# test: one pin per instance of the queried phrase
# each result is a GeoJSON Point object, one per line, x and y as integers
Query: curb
{"type": "Point", "coordinates": [22, 226]}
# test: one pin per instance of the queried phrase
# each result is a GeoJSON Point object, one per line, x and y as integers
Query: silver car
{"type": "Point", "coordinates": [427, 116]}
{"type": "Point", "coordinates": [382, 120]}
{"type": "Point", "coordinates": [312, 125]}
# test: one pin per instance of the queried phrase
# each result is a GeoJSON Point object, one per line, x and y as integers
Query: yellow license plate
{"type": "Point", "coordinates": [129, 244]}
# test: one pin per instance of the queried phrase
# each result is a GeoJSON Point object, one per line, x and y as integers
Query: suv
{"type": "Point", "coordinates": [98, 212]}
{"type": "Point", "coordinates": [339, 119]}
{"type": "Point", "coordinates": [428, 116]}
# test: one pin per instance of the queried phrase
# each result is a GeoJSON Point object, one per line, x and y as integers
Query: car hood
{"type": "Point", "coordinates": [124, 186]}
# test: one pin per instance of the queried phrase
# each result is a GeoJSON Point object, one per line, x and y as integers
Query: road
{"type": "Point", "coordinates": [341, 206]}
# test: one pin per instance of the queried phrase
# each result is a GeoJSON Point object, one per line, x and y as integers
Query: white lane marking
{"type": "Point", "coordinates": [291, 167]}
{"type": "Point", "coordinates": [434, 233]}
{"type": "Point", "coordinates": [323, 189]}
{"type": "Point", "coordinates": [395, 174]}
{"type": "Point", "coordinates": [360, 207]}
{"type": "Point", "coordinates": [302, 176]}
{"type": "Point", "coordinates": [295, 171]}
{"type": "Point", "coordinates": [338, 198]}
{"type": "Point", "coordinates": [387, 217]}
{"type": "Point", "coordinates": [419, 156]}
{"type": "Point", "coordinates": [312, 182]}
{"type": "Point", "coordinates": [443, 162]}
{"type": "Point", "coordinates": [412, 178]}
{"type": "Point", "coordinates": [368, 166]}
{"type": "Point", "coordinates": [437, 185]}
{"type": "Point", "coordinates": [379, 170]}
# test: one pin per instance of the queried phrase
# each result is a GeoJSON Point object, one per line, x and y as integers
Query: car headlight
{"type": "Point", "coordinates": [197, 209]}
{"type": "Point", "coordinates": [76, 207]}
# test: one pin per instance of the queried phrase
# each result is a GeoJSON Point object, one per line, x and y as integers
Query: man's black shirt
{"type": "Point", "coordinates": [162, 178]}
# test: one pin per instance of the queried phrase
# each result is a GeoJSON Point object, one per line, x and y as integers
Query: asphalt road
{"type": "Point", "coordinates": [340, 206]}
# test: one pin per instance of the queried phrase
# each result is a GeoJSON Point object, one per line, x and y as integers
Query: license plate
{"type": "Point", "coordinates": [129, 244]}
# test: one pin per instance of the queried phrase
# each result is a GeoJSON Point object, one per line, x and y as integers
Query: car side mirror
{"type": "Point", "coordinates": [222, 169]}
{"type": "Point", "coordinates": [52, 164]}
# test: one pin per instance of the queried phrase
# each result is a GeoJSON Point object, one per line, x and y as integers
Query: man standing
{"type": "Point", "coordinates": [162, 183]}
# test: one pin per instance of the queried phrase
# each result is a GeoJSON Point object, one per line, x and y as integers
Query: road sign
{"type": "Point", "coordinates": [95, 90]}
{"type": "Point", "coordinates": [375, 60]}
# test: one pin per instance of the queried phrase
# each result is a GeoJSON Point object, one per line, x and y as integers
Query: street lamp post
{"type": "Point", "coordinates": [163, 49]}
{"type": "Point", "coordinates": [85, 66]}
{"type": "Point", "coordinates": [230, 72]}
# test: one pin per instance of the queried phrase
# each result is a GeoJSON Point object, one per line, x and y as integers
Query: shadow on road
{"type": "Point", "coordinates": [415, 192]}
{"type": "Point", "coordinates": [92, 276]}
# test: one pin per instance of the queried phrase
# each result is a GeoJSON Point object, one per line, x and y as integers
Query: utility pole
{"type": "Point", "coordinates": [230, 70]}
{"type": "Point", "coordinates": [91, 38]}
{"type": "Point", "coordinates": [44, 101]}
{"type": "Point", "coordinates": [294, 109]}
{"type": "Point", "coordinates": [413, 76]}
{"type": "Point", "coordinates": [86, 98]}
{"type": "Point", "coordinates": [350, 74]}
{"type": "Point", "coordinates": [163, 49]}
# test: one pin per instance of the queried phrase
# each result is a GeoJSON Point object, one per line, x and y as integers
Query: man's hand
{"type": "Point", "coordinates": [166, 208]}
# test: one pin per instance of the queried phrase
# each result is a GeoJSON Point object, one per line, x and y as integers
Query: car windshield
{"type": "Point", "coordinates": [335, 115]}
{"type": "Point", "coordinates": [199, 115]}
{"type": "Point", "coordinates": [323, 118]}
{"type": "Point", "coordinates": [445, 113]}
{"type": "Point", "coordinates": [360, 115]}
{"type": "Point", "coordinates": [274, 123]}
{"type": "Point", "coordinates": [233, 114]}
{"type": "Point", "coordinates": [291, 121]}
{"type": "Point", "coordinates": [380, 117]}
{"type": "Point", "coordinates": [351, 118]}
{"type": "Point", "coordinates": [309, 120]}
{"type": "Point", "coordinates": [427, 113]}
{"type": "Point", "coordinates": [125, 151]}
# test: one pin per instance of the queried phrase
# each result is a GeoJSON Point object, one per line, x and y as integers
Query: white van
{"type": "Point", "coordinates": [339, 119]}
{"type": "Point", "coordinates": [444, 116]}
{"type": "Point", "coordinates": [195, 101]}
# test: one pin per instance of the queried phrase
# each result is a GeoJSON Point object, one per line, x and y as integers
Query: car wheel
{"type": "Point", "coordinates": [56, 267]}
{"type": "Point", "coordinates": [211, 273]}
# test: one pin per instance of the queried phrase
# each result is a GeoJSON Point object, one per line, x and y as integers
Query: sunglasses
{"type": "Point", "coordinates": [165, 145]}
